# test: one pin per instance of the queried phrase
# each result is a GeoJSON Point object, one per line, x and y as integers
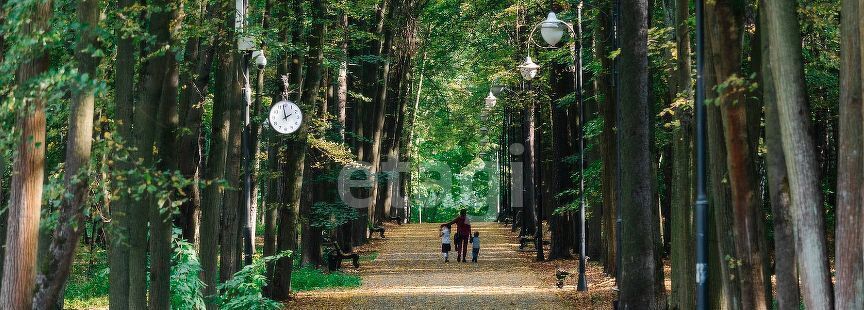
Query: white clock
{"type": "Point", "coordinates": [285, 117]}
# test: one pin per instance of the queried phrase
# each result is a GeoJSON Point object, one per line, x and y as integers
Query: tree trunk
{"type": "Point", "coordinates": [119, 255]}
{"type": "Point", "coordinates": [681, 217]}
{"type": "Point", "coordinates": [558, 179]}
{"type": "Point", "coordinates": [287, 239]}
{"type": "Point", "coordinates": [725, 29]}
{"type": "Point", "coordinates": [376, 211]}
{"type": "Point", "coordinates": [272, 201]}
{"type": "Point", "coordinates": [22, 235]}
{"type": "Point", "coordinates": [344, 232]}
{"type": "Point", "coordinates": [230, 240]}
{"type": "Point", "coordinates": [792, 109]}
{"type": "Point", "coordinates": [146, 130]}
{"type": "Point", "coordinates": [720, 198]}
{"type": "Point", "coordinates": [849, 292]}
{"type": "Point", "coordinates": [638, 265]}
{"type": "Point", "coordinates": [211, 209]}
{"type": "Point", "coordinates": [778, 185]}
{"type": "Point", "coordinates": [682, 230]}
{"type": "Point", "coordinates": [4, 162]}
{"type": "Point", "coordinates": [310, 236]}
{"type": "Point", "coordinates": [4, 214]}
{"type": "Point", "coordinates": [608, 145]}
{"type": "Point", "coordinates": [167, 126]}
{"type": "Point", "coordinates": [196, 81]}
{"type": "Point", "coordinates": [55, 271]}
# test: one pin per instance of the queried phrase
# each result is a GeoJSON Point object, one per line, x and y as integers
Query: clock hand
{"type": "Point", "coordinates": [284, 111]}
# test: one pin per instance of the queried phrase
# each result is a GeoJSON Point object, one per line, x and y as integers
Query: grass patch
{"type": "Point", "coordinates": [368, 257]}
{"type": "Point", "coordinates": [309, 279]}
{"type": "Point", "coordinates": [87, 287]}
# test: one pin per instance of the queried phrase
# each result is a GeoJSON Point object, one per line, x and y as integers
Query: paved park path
{"type": "Point", "coordinates": [410, 274]}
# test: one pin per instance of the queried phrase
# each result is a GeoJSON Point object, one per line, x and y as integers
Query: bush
{"type": "Point", "coordinates": [186, 286]}
{"type": "Point", "coordinates": [243, 291]}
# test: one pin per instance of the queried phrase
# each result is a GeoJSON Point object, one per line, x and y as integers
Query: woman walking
{"type": "Point", "coordinates": [463, 234]}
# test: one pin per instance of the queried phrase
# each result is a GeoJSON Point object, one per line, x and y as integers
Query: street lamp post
{"type": "Point", "coordinates": [245, 45]}
{"type": "Point", "coordinates": [552, 30]}
{"type": "Point", "coordinates": [247, 175]}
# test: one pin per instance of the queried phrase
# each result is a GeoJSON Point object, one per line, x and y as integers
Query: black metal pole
{"type": "Point", "coordinates": [582, 283]}
{"type": "Point", "coordinates": [701, 214]}
{"type": "Point", "coordinates": [247, 159]}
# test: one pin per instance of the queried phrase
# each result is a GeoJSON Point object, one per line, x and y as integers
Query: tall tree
{"type": "Point", "coordinates": [211, 208]}
{"type": "Point", "coordinates": [720, 199]}
{"type": "Point", "coordinates": [778, 186]}
{"type": "Point", "coordinates": [608, 145]}
{"type": "Point", "coordinates": [124, 102]}
{"type": "Point", "coordinates": [56, 268]}
{"type": "Point", "coordinates": [725, 31]}
{"type": "Point", "coordinates": [195, 80]}
{"type": "Point", "coordinates": [167, 127]}
{"type": "Point", "coordinates": [638, 265]}
{"type": "Point", "coordinates": [377, 121]}
{"type": "Point", "coordinates": [799, 150]}
{"type": "Point", "coordinates": [849, 292]}
{"type": "Point", "coordinates": [230, 237]}
{"type": "Point", "coordinates": [561, 148]}
{"type": "Point", "coordinates": [681, 217]}
{"type": "Point", "coordinates": [19, 272]}
{"type": "Point", "coordinates": [297, 149]}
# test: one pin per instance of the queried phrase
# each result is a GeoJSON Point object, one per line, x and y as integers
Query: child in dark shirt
{"type": "Point", "coordinates": [475, 246]}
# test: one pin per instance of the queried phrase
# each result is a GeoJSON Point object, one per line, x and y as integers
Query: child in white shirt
{"type": "Point", "coordinates": [445, 242]}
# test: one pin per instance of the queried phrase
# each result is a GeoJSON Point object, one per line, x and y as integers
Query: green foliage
{"type": "Point", "coordinates": [329, 216]}
{"type": "Point", "coordinates": [186, 285]}
{"type": "Point", "coordinates": [88, 282]}
{"type": "Point", "coordinates": [243, 290]}
{"type": "Point", "coordinates": [308, 279]}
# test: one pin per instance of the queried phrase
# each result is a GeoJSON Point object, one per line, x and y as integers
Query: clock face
{"type": "Point", "coordinates": [285, 117]}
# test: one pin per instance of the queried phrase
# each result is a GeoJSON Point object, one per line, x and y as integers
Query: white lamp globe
{"type": "Point", "coordinates": [528, 69]}
{"type": "Point", "coordinates": [260, 60]}
{"type": "Point", "coordinates": [490, 100]}
{"type": "Point", "coordinates": [552, 29]}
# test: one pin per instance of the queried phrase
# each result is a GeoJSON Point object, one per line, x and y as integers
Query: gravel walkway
{"type": "Point", "coordinates": [409, 273]}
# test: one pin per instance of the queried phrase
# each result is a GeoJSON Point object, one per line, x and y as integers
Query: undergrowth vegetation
{"type": "Point", "coordinates": [88, 284]}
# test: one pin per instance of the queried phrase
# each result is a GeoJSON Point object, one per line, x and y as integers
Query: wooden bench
{"type": "Point", "coordinates": [379, 229]}
{"type": "Point", "coordinates": [560, 276]}
{"type": "Point", "coordinates": [335, 257]}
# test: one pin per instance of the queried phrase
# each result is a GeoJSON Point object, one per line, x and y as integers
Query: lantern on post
{"type": "Point", "coordinates": [552, 29]}
{"type": "Point", "coordinates": [491, 100]}
{"type": "Point", "coordinates": [528, 69]}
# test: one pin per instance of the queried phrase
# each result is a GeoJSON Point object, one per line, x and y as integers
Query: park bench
{"type": "Point", "coordinates": [560, 276]}
{"type": "Point", "coordinates": [377, 228]}
{"type": "Point", "coordinates": [335, 256]}
{"type": "Point", "coordinates": [506, 219]}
